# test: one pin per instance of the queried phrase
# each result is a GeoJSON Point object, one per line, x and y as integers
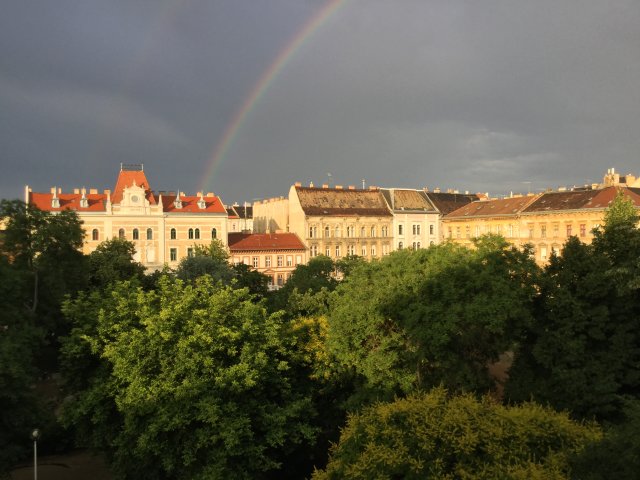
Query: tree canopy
{"type": "Point", "coordinates": [438, 436]}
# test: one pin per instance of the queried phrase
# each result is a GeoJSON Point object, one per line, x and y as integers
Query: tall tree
{"type": "Point", "coordinates": [438, 315]}
{"type": "Point", "coordinates": [112, 261]}
{"type": "Point", "coordinates": [582, 351]}
{"type": "Point", "coordinates": [194, 381]}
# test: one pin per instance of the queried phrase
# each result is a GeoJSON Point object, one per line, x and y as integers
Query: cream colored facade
{"type": "Point", "coordinates": [416, 222]}
{"type": "Point", "coordinates": [335, 222]}
{"type": "Point", "coordinates": [544, 221]}
{"type": "Point", "coordinates": [163, 227]}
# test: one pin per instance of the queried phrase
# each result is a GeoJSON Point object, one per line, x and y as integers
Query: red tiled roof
{"type": "Point", "coordinates": [333, 201]}
{"type": "Point", "coordinates": [582, 199]}
{"type": "Point", "coordinates": [126, 178]}
{"type": "Point", "coordinates": [69, 201]}
{"type": "Point", "coordinates": [264, 241]}
{"type": "Point", "coordinates": [190, 204]}
{"type": "Point", "coordinates": [488, 208]}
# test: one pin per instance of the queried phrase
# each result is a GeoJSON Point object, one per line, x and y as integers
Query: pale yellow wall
{"type": "Point", "coordinates": [428, 229]}
{"type": "Point", "coordinates": [278, 274]}
{"type": "Point", "coordinates": [270, 216]}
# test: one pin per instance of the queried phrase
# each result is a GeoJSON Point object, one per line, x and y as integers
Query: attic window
{"type": "Point", "coordinates": [55, 202]}
{"type": "Point", "coordinates": [202, 204]}
{"type": "Point", "coordinates": [178, 202]}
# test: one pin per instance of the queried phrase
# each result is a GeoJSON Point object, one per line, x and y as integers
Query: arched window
{"type": "Point", "coordinates": [136, 234]}
{"type": "Point", "coordinates": [197, 233]}
{"type": "Point", "coordinates": [173, 234]}
{"type": "Point", "coordinates": [149, 234]}
{"type": "Point", "coordinates": [400, 245]}
{"type": "Point", "coordinates": [121, 233]}
{"type": "Point", "coordinates": [338, 231]}
{"type": "Point", "coordinates": [326, 232]}
{"type": "Point", "coordinates": [362, 230]}
{"type": "Point", "coordinates": [94, 234]}
{"type": "Point", "coordinates": [373, 231]}
{"type": "Point", "coordinates": [191, 234]}
{"type": "Point", "coordinates": [214, 233]}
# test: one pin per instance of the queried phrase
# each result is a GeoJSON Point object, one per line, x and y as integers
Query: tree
{"type": "Point", "coordinates": [112, 261]}
{"type": "Point", "coordinates": [436, 436]}
{"type": "Point", "coordinates": [193, 381]}
{"type": "Point", "coordinates": [247, 277]}
{"type": "Point", "coordinates": [581, 352]}
{"type": "Point", "coordinates": [48, 247]}
{"type": "Point", "coordinates": [416, 319]}
{"type": "Point", "coordinates": [210, 260]}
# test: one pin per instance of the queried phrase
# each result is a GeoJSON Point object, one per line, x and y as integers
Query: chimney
{"type": "Point", "coordinates": [93, 191]}
{"type": "Point", "coordinates": [338, 187]}
{"type": "Point", "coordinates": [351, 187]}
{"type": "Point", "coordinates": [107, 192]}
{"type": "Point", "coordinates": [297, 184]}
{"type": "Point", "coordinates": [325, 185]}
{"type": "Point", "coordinates": [310, 184]}
{"type": "Point", "coordinates": [436, 190]}
{"type": "Point", "coordinates": [210, 194]}
{"type": "Point", "coordinates": [76, 191]}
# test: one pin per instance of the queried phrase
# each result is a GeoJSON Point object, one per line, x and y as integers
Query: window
{"type": "Point", "coordinates": [385, 250]}
{"type": "Point", "coordinates": [245, 260]}
{"type": "Point", "coordinates": [173, 234]}
{"type": "Point", "coordinates": [327, 251]}
{"type": "Point", "coordinates": [418, 244]}
{"type": "Point", "coordinates": [350, 231]}
{"type": "Point", "coordinates": [313, 250]}
{"type": "Point", "coordinates": [477, 230]}
{"type": "Point", "coordinates": [136, 234]}
{"type": "Point", "coordinates": [414, 246]}
{"type": "Point", "coordinates": [457, 232]}
{"type": "Point", "coordinates": [94, 234]}
{"type": "Point", "coordinates": [267, 262]}
{"type": "Point", "coordinates": [373, 250]}
{"type": "Point", "coordinates": [543, 252]}
{"type": "Point", "coordinates": [431, 229]}
{"type": "Point", "coordinates": [189, 252]}
{"type": "Point", "coordinates": [289, 261]}
{"type": "Point", "coordinates": [256, 262]}
{"type": "Point", "coordinates": [173, 254]}
{"type": "Point", "coordinates": [416, 229]}
{"type": "Point", "coordinates": [197, 233]}
{"type": "Point", "coordinates": [467, 231]}
{"type": "Point", "coordinates": [121, 233]}
{"type": "Point", "coordinates": [298, 259]}
{"type": "Point", "coordinates": [400, 245]}
{"type": "Point", "coordinates": [280, 260]}
{"type": "Point", "coordinates": [530, 231]}
{"type": "Point", "coordinates": [543, 231]}
{"type": "Point", "coordinates": [214, 233]}
{"type": "Point", "coordinates": [280, 279]}
{"type": "Point", "coordinates": [338, 231]}
{"type": "Point", "coordinates": [583, 229]}
{"type": "Point", "coordinates": [327, 232]}
{"type": "Point", "coordinates": [364, 251]}
{"type": "Point", "coordinates": [191, 234]}
{"type": "Point", "coordinates": [499, 229]}
{"type": "Point", "coordinates": [555, 230]}
{"type": "Point", "coordinates": [362, 232]}
{"type": "Point", "coordinates": [450, 232]}
{"type": "Point", "coordinates": [400, 229]}
{"type": "Point", "coordinates": [568, 230]}
{"type": "Point", "coordinates": [351, 249]}
{"type": "Point", "coordinates": [337, 251]}
{"type": "Point", "coordinates": [510, 231]}
{"type": "Point", "coordinates": [373, 232]}
{"type": "Point", "coordinates": [270, 281]}
{"type": "Point", "coordinates": [385, 231]}
{"type": "Point", "coordinates": [149, 234]}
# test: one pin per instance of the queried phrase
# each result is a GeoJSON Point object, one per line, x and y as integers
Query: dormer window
{"type": "Point", "coordinates": [55, 202]}
{"type": "Point", "coordinates": [84, 202]}
{"type": "Point", "coordinates": [178, 203]}
{"type": "Point", "coordinates": [202, 204]}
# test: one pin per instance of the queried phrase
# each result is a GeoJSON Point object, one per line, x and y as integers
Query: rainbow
{"type": "Point", "coordinates": [262, 85]}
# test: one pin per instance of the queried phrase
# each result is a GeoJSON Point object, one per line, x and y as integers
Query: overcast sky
{"type": "Point", "coordinates": [488, 95]}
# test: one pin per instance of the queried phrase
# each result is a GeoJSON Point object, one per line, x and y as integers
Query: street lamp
{"type": "Point", "coordinates": [35, 435]}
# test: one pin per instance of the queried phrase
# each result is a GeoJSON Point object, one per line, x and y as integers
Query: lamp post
{"type": "Point", "coordinates": [35, 435]}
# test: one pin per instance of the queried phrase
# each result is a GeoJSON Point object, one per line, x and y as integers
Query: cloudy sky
{"type": "Point", "coordinates": [492, 95]}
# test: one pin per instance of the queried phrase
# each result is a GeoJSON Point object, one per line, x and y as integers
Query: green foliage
{"type": "Point", "coordinates": [416, 319]}
{"type": "Point", "coordinates": [211, 260]}
{"type": "Point", "coordinates": [191, 381]}
{"type": "Point", "coordinates": [112, 261]}
{"type": "Point", "coordinates": [246, 277]}
{"type": "Point", "coordinates": [617, 455]}
{"type": "Point", "coordinates": [582, 351]}
{"type": "Point", "coordinates": [440, 437]}
{"type": "Point", "coordinates": [19, 339]}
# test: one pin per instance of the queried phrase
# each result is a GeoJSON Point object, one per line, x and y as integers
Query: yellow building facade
{"type": "Point", "coordinates": [164, 226]}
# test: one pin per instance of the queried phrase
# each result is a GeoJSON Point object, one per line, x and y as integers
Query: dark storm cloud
{"type": "Point", "coordinates": [481, 96]}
